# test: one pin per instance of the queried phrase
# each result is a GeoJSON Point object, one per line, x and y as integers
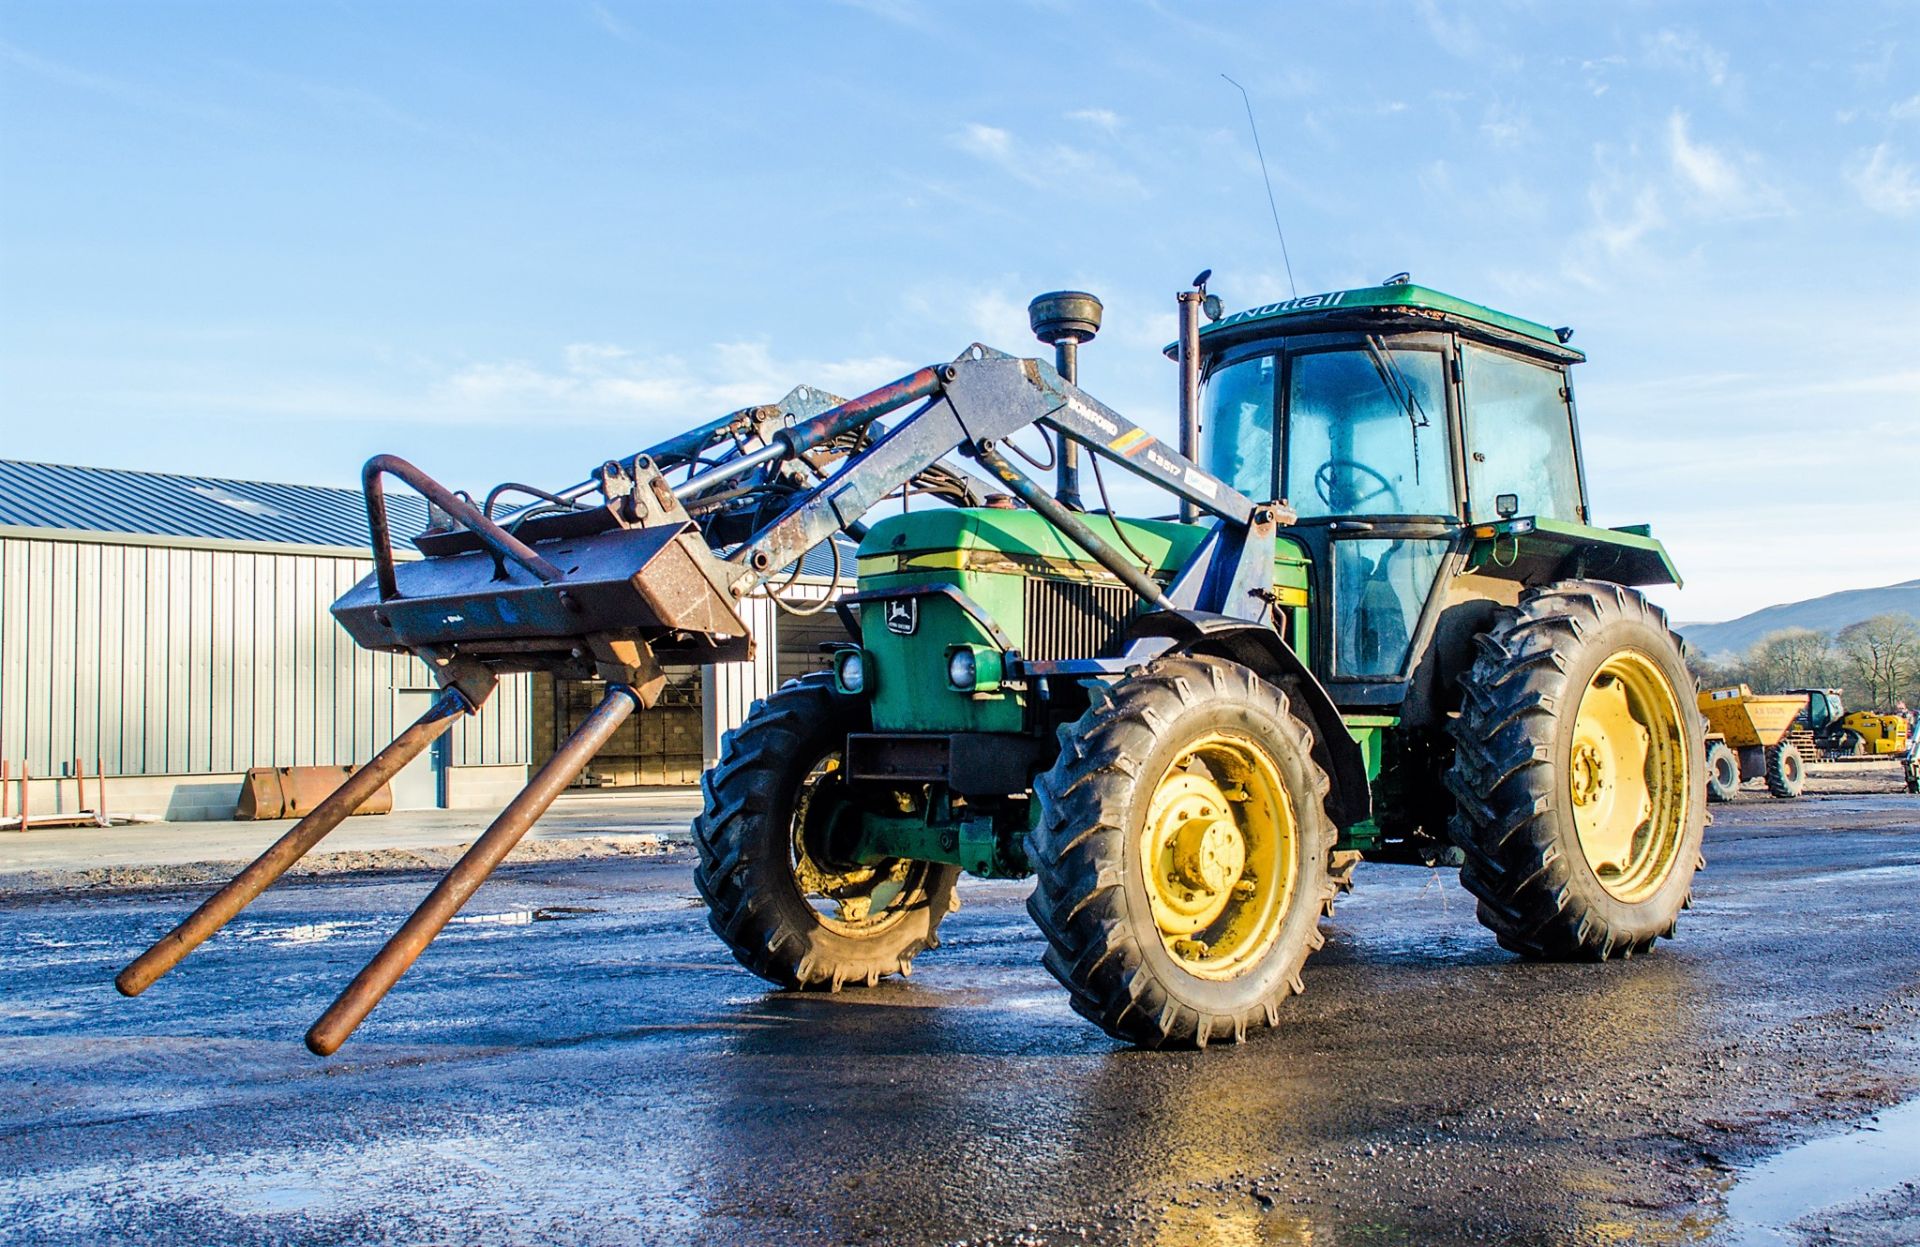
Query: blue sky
{"type": "Point", "coordinates": [267, 240]}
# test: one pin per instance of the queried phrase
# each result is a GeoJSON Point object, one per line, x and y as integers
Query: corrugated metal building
{"type": "Point", "coordinates": [675, 740]}
{"type": "Point", "coordinates": [172, 631]}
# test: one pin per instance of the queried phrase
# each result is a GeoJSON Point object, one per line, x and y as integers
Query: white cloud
{"type": "Point", "coordinates": [1505, 128]}
{"type": "Point", "coordinates": [608, 22]}
{"type": "Point", "coordinates": [595, 381]}
{"type": "Point", "coordinates": [1688, 53]}
{"type": "Point", "coordinates": [910, 14]}
{"type": "Point", "coordinates": [1906, 110]}
{"type": "Point", "coordinates": [1623, 215]}
{"type": "Point", "coordinates": [1596, 71]}
{"type": "Point", "coordinates": [1101, 118]}
{"type": "Point", "coordinates": [1714, 182]}
{"type": "Point", "coordinates": [990, 143]}
{"type": "Point", "coordinates": [1885, 182]}
{"type": "Point", "coordinates": [1043, 166]}
{"type": "Point", "coordinates": [1701, 167]}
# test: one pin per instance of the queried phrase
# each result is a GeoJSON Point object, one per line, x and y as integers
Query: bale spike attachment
{"type": "Point", "coordinates": [223, 906]}
{"type": "Point", "coordinates": [460, 883]}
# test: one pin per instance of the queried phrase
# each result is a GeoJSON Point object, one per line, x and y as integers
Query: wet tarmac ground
{"type": "Point", "coordinates": [578, 1060]}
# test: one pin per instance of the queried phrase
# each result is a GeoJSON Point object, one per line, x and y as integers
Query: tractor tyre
{"type": "Point", "coordinates": [1579, 805]}
{"type": "Point", "coordinates": [1181, 855]}
{"type": "Point", "coordinates": [1786, 772]}
{"type": "Point", "coordinates": [1723, 772]}
{"type": "Point", "coordinates": [785, 910]}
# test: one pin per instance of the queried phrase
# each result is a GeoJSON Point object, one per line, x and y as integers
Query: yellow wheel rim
{"type": "Point", "coordinates": [1629, 776]}
{"type": "Point", "coordinates": [1217, 848]}
{"type": "Point", "coordinates": [853, 900]}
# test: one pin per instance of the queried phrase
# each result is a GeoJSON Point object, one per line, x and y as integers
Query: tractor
{"type": "Point", "coordinates": [1383, 624]}
{"type": "Point", "coordinates": [1860, 734]}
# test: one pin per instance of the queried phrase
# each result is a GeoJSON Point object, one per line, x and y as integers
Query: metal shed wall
{"type": "Point", "coordinates": [191, 658]}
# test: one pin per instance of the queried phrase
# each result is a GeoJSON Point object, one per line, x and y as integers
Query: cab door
{"type": "Point", "coordinates": [1369, 467]}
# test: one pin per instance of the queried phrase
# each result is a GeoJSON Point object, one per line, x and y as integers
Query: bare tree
{"type": "Point", "coordinates": [1792, 658]}
{"type": "Point", "coordinates": [1882, 655]}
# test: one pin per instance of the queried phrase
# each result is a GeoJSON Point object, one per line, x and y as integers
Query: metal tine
{"type": "Point", "coordinates": [222, 907]}
{"type": "Point", "coordinates": [460, 883]}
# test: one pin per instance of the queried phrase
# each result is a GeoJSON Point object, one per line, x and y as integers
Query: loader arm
{"type": "Point", "coordinates": [614, 576]}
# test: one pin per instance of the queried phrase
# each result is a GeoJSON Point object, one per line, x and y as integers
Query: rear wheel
{"type": "Point", "coordinates": [1575, 773]}
{"type": "Point", "coordinates": [785, 909]}
{"type": "Point", "coordinates": [1723, 772]}
{"type": "Point", "coordinates": [1786, 772]}
{"type": "Point", "coordinates": [1181, 855]}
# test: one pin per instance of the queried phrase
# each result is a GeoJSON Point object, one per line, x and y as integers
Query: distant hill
{"type": "Point", "coordinates": [1823, 614]}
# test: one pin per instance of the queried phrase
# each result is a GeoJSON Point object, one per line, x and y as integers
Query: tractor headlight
{"type": "Point", "coordinates": [973, 668]}
{"type": "Point", "coordinates": [850, 671]}
{"type": "Point", "coordinates": [962, 669]}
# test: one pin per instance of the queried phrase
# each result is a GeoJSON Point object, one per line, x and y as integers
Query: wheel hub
{"type": "Point", "coordinates": [1217, 847]}
{"type": "Point", "coordinates": [1197, 850]}
{"type": "Point", "coordinates": [1627, 776]}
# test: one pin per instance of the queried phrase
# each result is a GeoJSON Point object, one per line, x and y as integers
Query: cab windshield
{"type": "Point", "coordinates": [1366, 429]}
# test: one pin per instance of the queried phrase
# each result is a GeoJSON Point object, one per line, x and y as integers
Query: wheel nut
{"type": "Point", "coordinates": [1190, 950]}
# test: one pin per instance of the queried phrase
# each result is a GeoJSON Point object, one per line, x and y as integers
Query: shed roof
{"type": "Point", "coordinates": [160, 505]}
{"type": "Point", "coordinates": [204, 508]}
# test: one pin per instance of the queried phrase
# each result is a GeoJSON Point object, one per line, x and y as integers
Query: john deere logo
{"type": "Point", "coordinates": [903, 615]}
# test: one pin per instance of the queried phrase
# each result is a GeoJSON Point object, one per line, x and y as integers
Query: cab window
{"type": "Point", "coordinates": [1367, 433]}
{"type": "Point", "coordinates": [1519, 437]}
{"type": "Point", "coordinates": [1236, 421]}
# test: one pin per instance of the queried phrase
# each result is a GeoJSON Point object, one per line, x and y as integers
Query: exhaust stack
{"type": "Point", "coordinates": [1064, 319]}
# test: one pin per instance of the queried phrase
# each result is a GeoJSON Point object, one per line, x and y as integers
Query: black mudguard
{"type": "Point", "coordinates": [1261, 649]}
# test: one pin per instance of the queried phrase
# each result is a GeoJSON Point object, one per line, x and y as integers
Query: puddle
{"type": "Point", "coordinates": [304, 933]}
{"type": "Point", "coordinates": [321, 932]}
{"type": "Point", "coordinates": [1877, 1155]}
{"type": "Point", "coordinates": [524, 917]}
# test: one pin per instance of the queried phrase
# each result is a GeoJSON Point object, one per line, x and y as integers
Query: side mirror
{"type": "Point", "coordinates": [1506, 506]}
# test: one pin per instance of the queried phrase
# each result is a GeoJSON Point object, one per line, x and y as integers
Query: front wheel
{"type": "Point", "coordinates": [1723, 772]}
{"type": "Point", "coordinates": [785, 909]}
{"type": "Point", "coordinates": [1181, 855]}
{"type": "Point", "coordinates": [1580, 807]}
{"type": "Point", "coordinates": [1786, 772]}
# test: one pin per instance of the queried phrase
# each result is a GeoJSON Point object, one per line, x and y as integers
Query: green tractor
{"type": "Point", "coordinates": [1382, 624]}
{"type": "Point", "coordinates": [1454, 668]}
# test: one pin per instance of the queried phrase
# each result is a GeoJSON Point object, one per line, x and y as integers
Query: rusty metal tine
{"type": "Point", "coordinates": [221, 908]}
{"type": "Point", "coordinates": [460, 883]}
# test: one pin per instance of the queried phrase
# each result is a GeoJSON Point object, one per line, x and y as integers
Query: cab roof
{"type": "Point", "coordinates": [1399, 302]}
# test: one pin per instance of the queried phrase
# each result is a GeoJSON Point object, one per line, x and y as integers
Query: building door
{"type": "Point", "coordinates": [421, 784]}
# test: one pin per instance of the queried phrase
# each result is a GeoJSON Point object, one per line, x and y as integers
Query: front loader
{"type": "Point", "coordinates": [1382, 624]}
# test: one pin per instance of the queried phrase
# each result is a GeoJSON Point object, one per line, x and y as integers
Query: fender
{"type": "Point", "coordinates": [1260, 648]}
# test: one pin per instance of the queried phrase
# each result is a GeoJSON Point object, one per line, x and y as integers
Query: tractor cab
{"type": "Point", "coordinates": [1396, 421]}
{"type": "Point", "coordinates": [1825, 710]}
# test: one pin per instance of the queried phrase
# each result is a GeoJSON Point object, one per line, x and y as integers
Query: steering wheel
{"type": "Point", "coordinates": [1323, 479]}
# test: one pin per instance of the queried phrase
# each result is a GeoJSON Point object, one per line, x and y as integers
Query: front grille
{"type": "Point", "coordinates": [1073, 619]}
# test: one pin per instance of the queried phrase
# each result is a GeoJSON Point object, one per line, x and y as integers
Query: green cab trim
{"type": "Point", "coordinates": [1295, 315]}
{"type": "Point", "coordinates": [1535, 547]}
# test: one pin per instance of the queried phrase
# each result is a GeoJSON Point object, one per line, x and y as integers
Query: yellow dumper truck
{"type": "Point", "coordinates": [1753, 735]}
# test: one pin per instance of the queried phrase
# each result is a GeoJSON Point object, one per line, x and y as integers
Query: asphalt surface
{"type": "Point", "coordinates": [578, 1060]}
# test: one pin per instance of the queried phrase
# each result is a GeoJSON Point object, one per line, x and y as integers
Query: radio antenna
{"type": "Point", "coordinates": [1266, 177]}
